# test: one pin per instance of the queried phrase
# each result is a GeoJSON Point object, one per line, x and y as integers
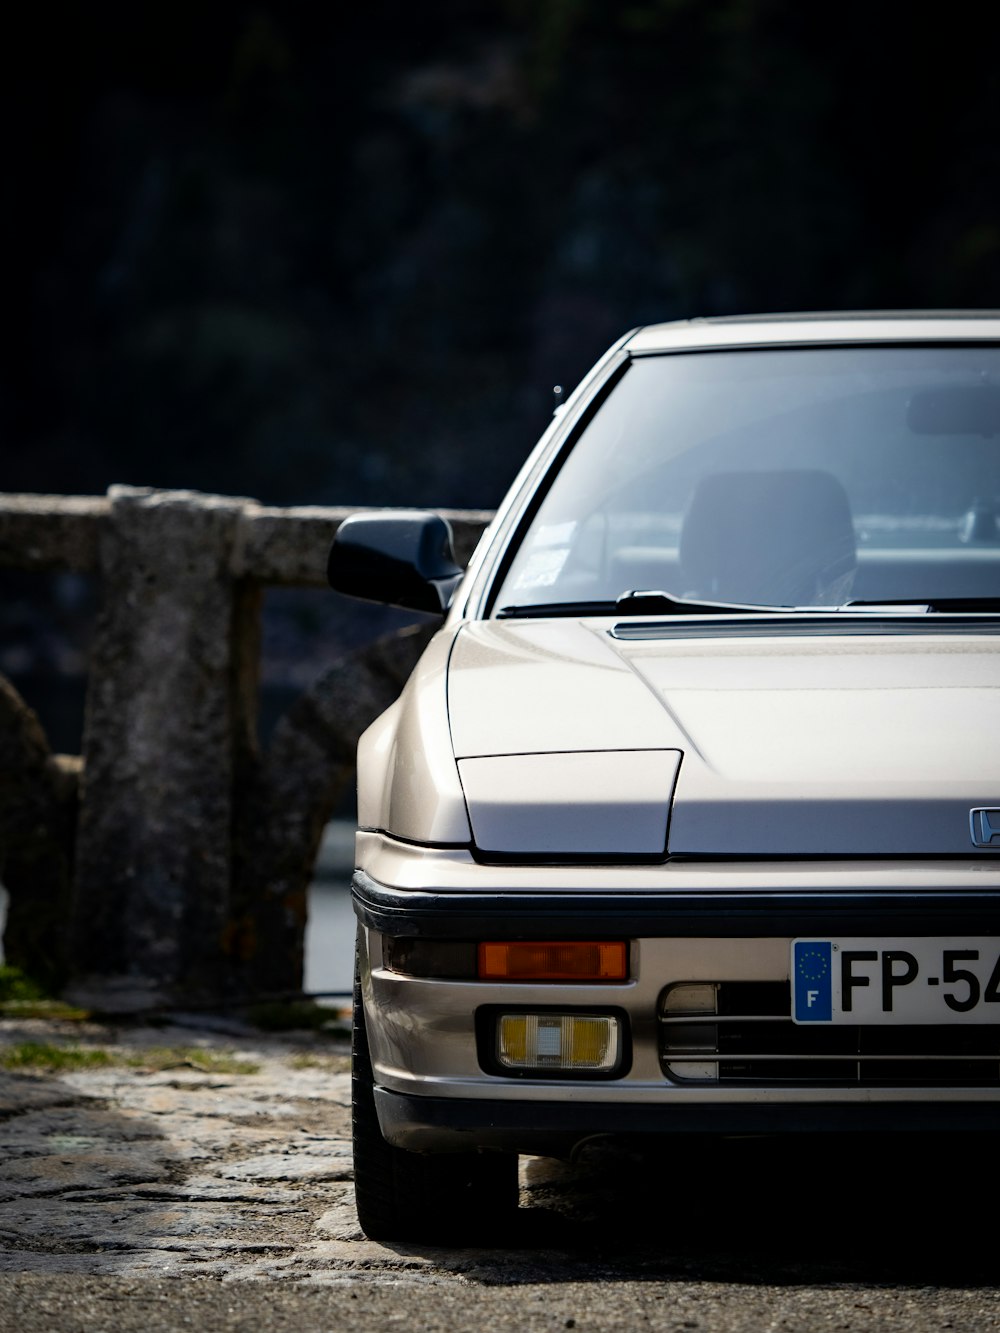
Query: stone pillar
{"type": "Point", "coordinates": [169, 677]}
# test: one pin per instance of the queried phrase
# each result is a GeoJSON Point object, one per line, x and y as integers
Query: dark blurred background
{"type": "Point", "coordinates": [325, 253]}
{"type": "Point", "coordinates": [328, 253]}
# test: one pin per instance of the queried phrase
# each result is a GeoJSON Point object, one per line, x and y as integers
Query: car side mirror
{"type": "Point", "coordinates": [397, 557]}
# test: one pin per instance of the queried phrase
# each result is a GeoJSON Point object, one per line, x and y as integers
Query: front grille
{"type": "Point", "coordinates": [743, 1032]}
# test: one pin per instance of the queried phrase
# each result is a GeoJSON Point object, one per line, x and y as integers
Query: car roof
{"type": "Point", "coordinates": [892, 326]}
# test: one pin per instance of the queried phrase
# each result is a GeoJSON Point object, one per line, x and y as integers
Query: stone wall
{"type": "Point", "coordinates": [170, 861]}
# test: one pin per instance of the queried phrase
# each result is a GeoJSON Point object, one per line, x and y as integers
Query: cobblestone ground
{"type": "Point", "coordinates": [223, 1158]}
{"type": "Point", "coordinates": [199, 1166]}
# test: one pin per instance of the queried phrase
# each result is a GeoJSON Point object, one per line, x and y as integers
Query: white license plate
{"type": "Point", "coordinates": [939, 980]}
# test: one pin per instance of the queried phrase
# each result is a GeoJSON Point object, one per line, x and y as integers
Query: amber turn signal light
{"type": "Point", "coordinates": [553, 960]}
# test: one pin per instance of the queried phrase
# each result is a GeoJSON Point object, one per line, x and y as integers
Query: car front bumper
{"type": "Point", "coordinates": [687, 924]}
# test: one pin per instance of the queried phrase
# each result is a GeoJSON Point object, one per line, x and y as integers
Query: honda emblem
{"type": "Point", "coordinates": [984, 825]}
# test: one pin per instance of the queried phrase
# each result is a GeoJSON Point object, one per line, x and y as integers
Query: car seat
{"type": "Point", "coordinates": [776, 538]}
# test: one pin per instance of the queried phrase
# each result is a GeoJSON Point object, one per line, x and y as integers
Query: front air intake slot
{"type": "Point", "coordinates": [742, 1032]}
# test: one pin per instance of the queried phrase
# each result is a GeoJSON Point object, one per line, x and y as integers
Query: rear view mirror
{"type": "Point", "coordinates": [397, 557]}
{"type": "Point", "coordinates": [968, 409]}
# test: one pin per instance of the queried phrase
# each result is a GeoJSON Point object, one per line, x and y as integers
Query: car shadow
{"type": "Point", "coordinates": [889, 1209]}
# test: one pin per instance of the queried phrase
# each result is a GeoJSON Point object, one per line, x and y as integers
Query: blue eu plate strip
{"type": "Point", "coordinates": [812, 978]}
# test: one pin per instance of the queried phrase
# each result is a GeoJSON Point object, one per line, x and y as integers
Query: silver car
{"type": "Point", "coordinates": [688, 820]}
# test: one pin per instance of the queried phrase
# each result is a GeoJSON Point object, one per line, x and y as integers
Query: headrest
{"type": "Point", "coordinates": [778, 538]}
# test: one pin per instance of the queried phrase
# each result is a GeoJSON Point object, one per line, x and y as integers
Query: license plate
{"type": "Point", "coordinates": [939, 980]}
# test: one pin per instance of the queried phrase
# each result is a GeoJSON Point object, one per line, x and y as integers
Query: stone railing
{"type": "Point", "coordinates": [170, 861]}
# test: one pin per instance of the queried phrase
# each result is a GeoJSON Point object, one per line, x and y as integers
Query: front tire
{"type": "Point", "coordinates": [433, 1198]}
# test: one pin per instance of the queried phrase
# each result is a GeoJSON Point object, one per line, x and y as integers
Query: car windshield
{"type": "Point", "coordinates": [805, 478]}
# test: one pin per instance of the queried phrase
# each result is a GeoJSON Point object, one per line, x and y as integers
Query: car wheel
{"type": "Point", "coordinates": [456, 1198]}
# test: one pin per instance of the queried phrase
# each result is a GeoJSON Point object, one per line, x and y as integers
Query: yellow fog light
{"type": "Point", "coordinates": [568, 1042]}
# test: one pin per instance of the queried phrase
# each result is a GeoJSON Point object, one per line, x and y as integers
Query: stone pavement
{"type": "Point", "coordinates": [191, 1176]}
{"type": "Point", "coordinates": [130, 1169]}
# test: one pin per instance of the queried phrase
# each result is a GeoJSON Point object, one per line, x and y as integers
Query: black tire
{"type": "Point", "coordinates": [430, 1198]}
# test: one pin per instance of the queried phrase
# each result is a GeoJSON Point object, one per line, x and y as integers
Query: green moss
{"type": "Point", "coordinates": [23, 997]}
{"type": "Point", "coordinates": [55, 1009]}
{"type": "Point", "coordinates": [46, 1055]}
{"type": "Point", "coordinates": [157, 1058]}
{"type": "Point", "coordinates": [332, 1064]}
{"type": "Point", "coordinates": [50, 1056]}
{"type": "Point", "coordinates": [14, 985]}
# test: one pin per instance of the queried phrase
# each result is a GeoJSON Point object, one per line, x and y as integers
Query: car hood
{"type": "Point", "coordinates": [774, 742]}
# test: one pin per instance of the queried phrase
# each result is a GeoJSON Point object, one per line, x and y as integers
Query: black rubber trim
{"type": "Point", "coordinates": [805, 625]}
{"type": "Point", "coordinates": [431, 914]}
{"type": "Point", "coordinates": [450, 1124]}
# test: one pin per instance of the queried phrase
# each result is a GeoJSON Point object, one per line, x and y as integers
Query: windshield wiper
{"type": "Point", "coordinates": [644, 602]}
{"type": "Point", "coordinates": [655, 602]}
{"type": "Point", "coordinates": [928, 604]}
